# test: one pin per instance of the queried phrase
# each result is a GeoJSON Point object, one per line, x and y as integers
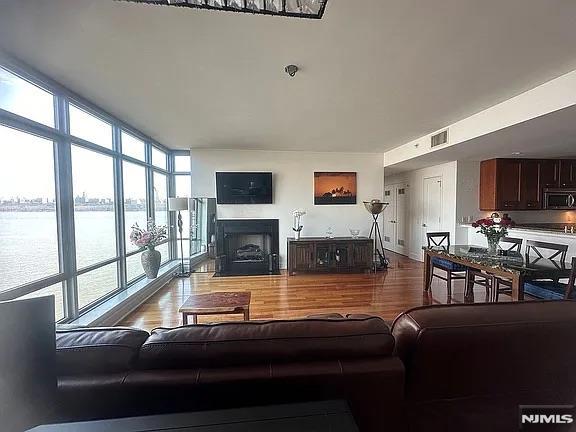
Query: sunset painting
{"type": "Point", "coordinates": [334, 188]}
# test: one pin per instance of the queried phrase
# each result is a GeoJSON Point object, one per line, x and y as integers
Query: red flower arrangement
{"type": "Point", "coordinates": [494, 228]}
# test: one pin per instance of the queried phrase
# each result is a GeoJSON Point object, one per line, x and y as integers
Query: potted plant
{"type": "Point", "coordinates": [495, 229]}
{"type": "Point", "coordinates": [148, 239]}
{"type": "Point", "coordinates": [297, 227]}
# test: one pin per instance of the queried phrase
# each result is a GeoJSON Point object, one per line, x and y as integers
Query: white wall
{"type": "Point", "coordinates": [293, 174]}
{"type": "Point", "coordinates": [467, 196]}
{"type": "Point", "coordinates": [415, 182]}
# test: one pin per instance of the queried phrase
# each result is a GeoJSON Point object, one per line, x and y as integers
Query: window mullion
{"type": "Point", "coordinates": [119, 208]}
{"type": "Point", "coordinates": [65, 203]}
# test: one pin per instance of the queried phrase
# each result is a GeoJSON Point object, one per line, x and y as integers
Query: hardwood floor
{"type": "Point", "coordinates": [385, 294]}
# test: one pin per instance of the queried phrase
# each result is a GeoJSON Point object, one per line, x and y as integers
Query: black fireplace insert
{"type": "Point", "coordinates": [247, 247]}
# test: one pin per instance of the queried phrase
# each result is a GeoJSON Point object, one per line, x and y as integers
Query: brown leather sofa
{"type": "Point", "coordinates": [124, 372]}
{"type": "Point", "coordinates": [439, 368]}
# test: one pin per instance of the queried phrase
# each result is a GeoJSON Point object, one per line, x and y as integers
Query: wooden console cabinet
{"type": "Point", "coordinates": [329, 255]}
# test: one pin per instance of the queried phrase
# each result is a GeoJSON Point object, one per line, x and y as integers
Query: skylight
{"type": "Point", "coordinates": [292, 8]}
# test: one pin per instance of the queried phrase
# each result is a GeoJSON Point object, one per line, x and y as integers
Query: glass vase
{"type": "Point", "coordinates": [493, 245]}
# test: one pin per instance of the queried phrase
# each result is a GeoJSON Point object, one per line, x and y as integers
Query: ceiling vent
{"type": "Point", "coordinates": [439, 139]}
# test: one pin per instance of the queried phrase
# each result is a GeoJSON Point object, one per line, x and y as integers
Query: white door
{"type": "Point", "coordinates": [389, 217]}
{"type": "Point", "coordinates": [432, 209]}
{"type": "Point", "coordinates": [401, 219]}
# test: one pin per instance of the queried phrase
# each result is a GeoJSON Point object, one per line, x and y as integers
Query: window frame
{"type": "Point", "coordinates": [62, 142]}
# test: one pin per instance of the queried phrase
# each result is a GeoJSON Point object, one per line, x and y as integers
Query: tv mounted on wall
{"type": "Point", "coordinates": [243, 188]}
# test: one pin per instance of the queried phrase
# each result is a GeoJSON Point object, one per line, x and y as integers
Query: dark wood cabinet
{"type": "Point", "coordinates": [530, 188]}
{"type": "Point", "coordinates": [567, 174]}
{"type": "Point", "coordinates": [337, 255]}
{"type": "Point", "coordinates": [500, 184]}
{"type": "Point", "coordinates": [550, 173]}
{"type": "Point", "coordinates": [518, 184]}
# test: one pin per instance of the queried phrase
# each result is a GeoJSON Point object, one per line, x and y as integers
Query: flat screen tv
{"type": "Point", "coordinates": [243, 188]}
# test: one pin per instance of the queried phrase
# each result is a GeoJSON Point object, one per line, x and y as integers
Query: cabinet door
{"type": "Point", "coordinates": [530, 190]}
{"type": "Point", "coordinates": [508, 183]}
{"type": "Point", "coordinates": [362, 255]}
{"type": "Point", "coordinates": [340, 256]}
{"type": "Point", "coordinates": [568, 173]}
{"type": "Point", "coordinates": [549, 174]}
{"type": "Point", "coordinates": [322, 257]}
{"type": "Point", "coordinates": [302, 257]}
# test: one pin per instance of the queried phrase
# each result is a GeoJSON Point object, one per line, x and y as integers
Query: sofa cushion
{"type": "Point", "coordinates": [228, 344]}
{"type": "Point", "coordinates": [97, 349]}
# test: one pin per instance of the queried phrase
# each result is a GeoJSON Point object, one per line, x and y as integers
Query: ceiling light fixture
{"type": "Point", "coordinates": [292, 8]}
{"type": "Point", "coordinates": [291, 70]}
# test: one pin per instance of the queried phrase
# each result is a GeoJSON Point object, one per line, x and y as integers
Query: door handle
{"type": "Point", "coordinates": [571, 200]}
{"type": "Point", "coordinates": [424, 225]}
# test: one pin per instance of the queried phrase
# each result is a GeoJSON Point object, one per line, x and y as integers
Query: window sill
{"type": "Point", "coordinates": [118, 306]}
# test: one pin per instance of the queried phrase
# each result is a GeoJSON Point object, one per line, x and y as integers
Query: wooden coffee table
{"type": "Point", "coordinates": [218, 303]}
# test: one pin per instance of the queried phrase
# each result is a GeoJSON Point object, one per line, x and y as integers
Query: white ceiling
{"type": "Point", "coordinates": [375, 73]}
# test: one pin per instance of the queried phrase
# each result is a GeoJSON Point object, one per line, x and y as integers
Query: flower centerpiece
{"type": "Point", "coordinates": [297, 227]}
{"type": "Point", "coordinates": [495, 229]}
{"type": "Point", "coordinates": [148, 239]}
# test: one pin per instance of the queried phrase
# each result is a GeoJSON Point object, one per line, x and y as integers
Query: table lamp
{"type": "Point", "coordinates": [179, 204]}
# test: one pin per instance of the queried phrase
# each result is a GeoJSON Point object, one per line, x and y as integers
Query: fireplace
{"type": "Point", "coordinates": [247, 247]}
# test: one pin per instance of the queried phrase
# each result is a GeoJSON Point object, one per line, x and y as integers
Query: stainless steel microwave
{"type": "Point", "coordinates": [559, 199]}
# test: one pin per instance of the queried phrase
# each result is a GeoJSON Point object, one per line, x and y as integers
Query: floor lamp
{"type": "Point", "coordinates": [179, 204]}
{"type": "Point", "coordinates": [379, 260]}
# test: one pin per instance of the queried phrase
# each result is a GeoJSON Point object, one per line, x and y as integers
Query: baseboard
{"type": "Point", "coordinates": [416, 256]}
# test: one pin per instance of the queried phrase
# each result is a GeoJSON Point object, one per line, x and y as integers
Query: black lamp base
{"type": "Point", "coordinates": [183, 274]}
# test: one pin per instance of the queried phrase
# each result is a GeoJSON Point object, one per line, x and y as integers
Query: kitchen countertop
{"type": "Point", "coordinates": [552, 228]}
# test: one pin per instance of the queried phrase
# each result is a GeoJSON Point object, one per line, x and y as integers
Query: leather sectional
{"type": "Point", "coordinates": [436, 368]}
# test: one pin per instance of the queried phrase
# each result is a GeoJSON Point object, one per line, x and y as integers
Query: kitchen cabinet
{"type": "Point", "coordinates": [518, 184]}
{"type": "Point", "coordinates": [567, 173]}
{"type": "Point", "coordinates": [500, 184]}
{"type": "Point", "coordinates": [550, 173]}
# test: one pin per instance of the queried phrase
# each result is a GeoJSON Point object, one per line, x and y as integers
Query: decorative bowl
{"type": "Point", "coordinates": [354, 233]}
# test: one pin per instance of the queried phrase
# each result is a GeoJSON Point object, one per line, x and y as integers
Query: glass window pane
{"type": "Point", "coordinates": [28, 230]}
{"type": "Point", "coordinates": [182, 163]}
{"type": "Point", "coordinates": [96, 284]}
{"type": "Point", "coordinates": [183, 188]}
{"type": "Point", "coordinates": [160, 195]}
{"type": "Point", "coordinates": [26, 99]}
{"type": "Point", "coordinates": [134, 199]}
{"type": "Point", "coordinates": [186, 246]}
{"type": "Point", "coordinates": [133, 267]}
{"type": "Point", "coordinates": [133, 147]}
{"type": "Point", "coordinates": [53, 290]}
{"type": "Point", "coordinates": [163, 249]}
{"type": "Point", "coordinates": [158, 158]}
{"type": "Point", "coordinates": [94, 220]}
{"type": "Point", "coordinates": [90, 128]}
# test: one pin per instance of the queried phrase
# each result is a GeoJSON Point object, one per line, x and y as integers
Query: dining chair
{"type": "Point", "coordinates": [453, 270]}
{"type": "Point", "coordinates": [489, 281]}
{"type": "Point", "coordinates": [553, 290]}
{"type": "Point", "coordinates": [512, 244]}
{"type": "Point", "coordinates": [542, 250]}
{"type": "Point", "coordinates": [556, 251]}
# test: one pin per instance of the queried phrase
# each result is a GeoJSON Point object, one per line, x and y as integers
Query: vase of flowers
{"type": "Point", "coordinates": [495, 229]}
{"type": "Point", "coordinates": [297, 227]}
{"type": "Point", "coordinates": [147, 239]}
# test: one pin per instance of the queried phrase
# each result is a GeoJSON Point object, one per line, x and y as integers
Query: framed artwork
{"type": "Point", "coordinates": [332, 188]}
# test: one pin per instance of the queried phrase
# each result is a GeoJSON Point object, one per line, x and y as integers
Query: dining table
{"type": "Point", "coordinates": [516, 267]}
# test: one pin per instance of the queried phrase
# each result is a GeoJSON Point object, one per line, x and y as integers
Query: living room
{"type": "Point", "coordinates": [291, 214]}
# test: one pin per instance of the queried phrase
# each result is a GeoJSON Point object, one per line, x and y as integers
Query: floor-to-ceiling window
{"type": "Point", "coordinates": [73, 181]}
{"type": "Point", "coordinates": [183, 189]}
